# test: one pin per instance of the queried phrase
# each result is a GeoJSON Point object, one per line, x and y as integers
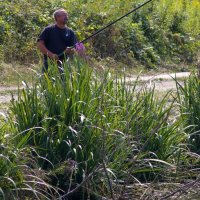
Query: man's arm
{"type": "Point", "coordinates": [45, 51]}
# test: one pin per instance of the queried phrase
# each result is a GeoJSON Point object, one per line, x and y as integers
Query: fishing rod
{"type": "Point", "coordinates": [79, 45]}
{"type": "Point", "coordinates": [111, 23]}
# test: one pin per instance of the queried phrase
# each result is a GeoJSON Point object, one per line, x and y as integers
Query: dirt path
{"type": "Point", "coordinates": [168, 77]}
{"type": "Point", "coordinates": [162, 82]}
{"type": "Point", "coordinates": [5, 93]}
{"type": "Point", "coordinates": [8, 88]}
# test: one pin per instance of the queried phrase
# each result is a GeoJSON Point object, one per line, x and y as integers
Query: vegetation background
{"type": "Point", "coordinates": [163, 33]}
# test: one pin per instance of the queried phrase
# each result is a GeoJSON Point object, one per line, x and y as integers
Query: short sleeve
{"type": "Point", "coordinates": [73, 39]}
{"type": "Point", "coordinates": [43, 35]}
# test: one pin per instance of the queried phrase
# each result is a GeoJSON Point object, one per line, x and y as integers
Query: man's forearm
{"type": "Point", "coordinates": [43, 48]}
{"type": "Point", "coordinates": [45, 51]}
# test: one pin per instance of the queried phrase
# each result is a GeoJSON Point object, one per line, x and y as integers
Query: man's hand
{"type": "Point", "coordinates": [45, 51]}
{"type": "Point", "coordinates": [53, 56]}
{"type": "Point", "coordinates": [70, 51]}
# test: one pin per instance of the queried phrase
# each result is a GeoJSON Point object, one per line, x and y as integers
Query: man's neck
{"type": "Point", "coordinates": [62, 26]}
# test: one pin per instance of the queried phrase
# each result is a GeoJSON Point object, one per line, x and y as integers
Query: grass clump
{"type": "Point", "coordinates": [92, 134]}
{"type": "Point", "coordinates": [188, 98]}
{"type": "Point", "coordinates": [19, 174]}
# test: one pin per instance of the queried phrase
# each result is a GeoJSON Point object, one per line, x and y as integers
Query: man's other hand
{"type": "Point", "coordinates": [53, 56]}
{"type": "Point", "coordinates": [70, 51]}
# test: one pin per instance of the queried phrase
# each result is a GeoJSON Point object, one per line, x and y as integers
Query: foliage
{"type": "Point", "coordinates": [20, 22]}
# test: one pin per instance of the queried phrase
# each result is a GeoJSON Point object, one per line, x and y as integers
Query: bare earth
{"type": "Point", "coordinates": [162, 82]}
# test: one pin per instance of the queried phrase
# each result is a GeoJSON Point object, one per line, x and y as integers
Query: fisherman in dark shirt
{"type": "Point", "coordinates": [56, 41]}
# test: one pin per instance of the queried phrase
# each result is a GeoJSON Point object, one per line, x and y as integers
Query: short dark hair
{"type": "Point", "coordinates": [57, 12]}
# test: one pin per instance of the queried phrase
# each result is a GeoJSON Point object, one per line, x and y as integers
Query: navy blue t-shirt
{"type": "Point", "coordinates": [56, 39]}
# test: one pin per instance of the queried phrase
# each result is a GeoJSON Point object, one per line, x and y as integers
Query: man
{"type": "Point", "coordinates": [57, 41]}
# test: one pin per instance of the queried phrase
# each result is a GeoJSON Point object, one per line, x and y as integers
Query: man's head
{"type": "Point", "coordinates": [60, 16]}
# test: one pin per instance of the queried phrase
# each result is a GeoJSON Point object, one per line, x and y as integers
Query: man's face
{"type": "Point", "coordinates": [62, 17]}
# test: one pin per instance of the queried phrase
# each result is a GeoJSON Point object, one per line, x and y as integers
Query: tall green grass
{"type": "Point", "coordinates": [92, 132]}
{"type": "Point", "coordinates": [188, 98]}
{"type": "Point", "coordinates": [20, 175]}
